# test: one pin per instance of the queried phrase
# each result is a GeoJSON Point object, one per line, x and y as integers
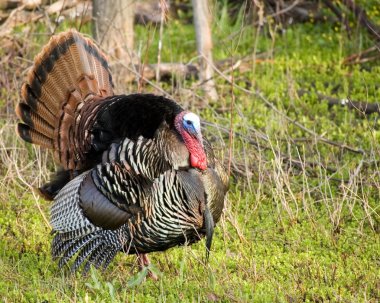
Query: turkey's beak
{"type": "Point", "coordinates": [209, 227]}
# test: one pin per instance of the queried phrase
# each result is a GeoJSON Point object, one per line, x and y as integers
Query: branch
{"type": "Point", "coordinates": [15, 20]}
{"type": "Point", "coordinates": [363, 56]}
{"type": "Point", "coordinates": [361, 106]}
{"type": "Point", "coordinates": [166, 71]}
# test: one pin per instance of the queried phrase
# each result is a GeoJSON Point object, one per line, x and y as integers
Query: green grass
{"type": "Point", "coordinates": [288, 234]}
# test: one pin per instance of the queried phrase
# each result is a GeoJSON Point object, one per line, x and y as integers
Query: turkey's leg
{"type": "Point", "coordinates": [143, 261]}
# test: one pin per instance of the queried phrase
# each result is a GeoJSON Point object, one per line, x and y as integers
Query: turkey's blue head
{"type": "Point", "coordinates": [189, 127]}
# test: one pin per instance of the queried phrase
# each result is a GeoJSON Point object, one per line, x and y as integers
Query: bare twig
{"type": "Point", "coordinates": [13, 20]}
{"type": "Point", "coordinates": [363, 56]}
{"type": "Point", "coordinates": [286, 159]}
{"type": "Point", "coordinates": [166, 70]}
{"type": "Point", "coordinates": [231, 132]}
{"type": "Point", "coordinates": [284, 10]}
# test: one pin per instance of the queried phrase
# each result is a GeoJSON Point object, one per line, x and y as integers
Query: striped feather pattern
{"type": "Point", "coordinates": [97, 249]}
{"type": "Point", "coordinates": [68, 72]}
{"type": "Point", "coordinates": [164, 210]}
{"type": "Point", "coordinates": [142, 156]}
{"type": "Point", "coordinates": [66, 215]}
{"type": "Point", "coordinates": [175, 218]}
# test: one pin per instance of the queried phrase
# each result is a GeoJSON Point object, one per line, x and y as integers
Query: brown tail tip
{"type": "Point", "coordinates": [32, 136]}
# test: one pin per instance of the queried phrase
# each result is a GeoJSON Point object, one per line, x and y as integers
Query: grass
{"type": "Point", "coordinates": [301, 221]}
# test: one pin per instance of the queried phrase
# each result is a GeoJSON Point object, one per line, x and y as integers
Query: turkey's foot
{"type": "Point", "coordinates": [143, 261]}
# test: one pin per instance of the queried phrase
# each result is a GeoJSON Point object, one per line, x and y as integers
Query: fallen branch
{"type": "Point", "coordinates": [9, 4]}
{"type": "Point", "coordinates": [289, 12]}
{"type": "Point", "coordinates": [364, 108]}
{"type": "Point", "coordinates": [147, 12]}
{"type": "Point", "coordinates": [182, 70]}
{"type": "Point", "coordinates": [7, 27]}
{"type": "Point", "coordinates": [167, 70]}
{"type": "Point", "coordinates": [284, 10]}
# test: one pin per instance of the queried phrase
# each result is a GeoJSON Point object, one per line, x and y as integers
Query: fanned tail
{"type": "Point", "coordinates": [69, 72]}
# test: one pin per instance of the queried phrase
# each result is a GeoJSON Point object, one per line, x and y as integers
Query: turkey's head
{"type": "Point", "coordinates": [189, 127]}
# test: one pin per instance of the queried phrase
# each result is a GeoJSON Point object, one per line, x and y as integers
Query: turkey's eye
{"type": "Point", "coordinates": [188, 124]}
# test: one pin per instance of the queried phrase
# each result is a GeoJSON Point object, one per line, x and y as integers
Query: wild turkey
{"type": "Point", "coordinates": [137, 176]}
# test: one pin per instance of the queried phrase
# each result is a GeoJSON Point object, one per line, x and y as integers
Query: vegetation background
{"type": "Point", "coordinates": [301, 222]}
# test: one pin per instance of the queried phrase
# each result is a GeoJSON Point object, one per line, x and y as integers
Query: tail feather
{"type": "Point", "coordinates": [32, 136]}
{"type": "Point", "coordinates": [69, 72]}
{"type": "Point", "coordinates": [36, 106]}
{"type": "Point", "coordinates": [34, 120]}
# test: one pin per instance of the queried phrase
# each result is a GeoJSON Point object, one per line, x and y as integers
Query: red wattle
{"type": "Point", "coordinates": [194, 145]}
{"type": "Point", "coordinates": [197, 163]}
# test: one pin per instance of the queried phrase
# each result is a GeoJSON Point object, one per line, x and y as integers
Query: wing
{"type": "Point", "coordinates": [105, 197]}
{"type": "Point", "coordinates": [75, 233]}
